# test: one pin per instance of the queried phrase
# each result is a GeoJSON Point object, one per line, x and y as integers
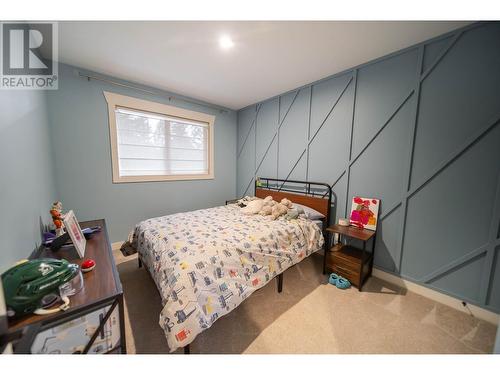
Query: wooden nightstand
{"type": "Point", "coordinates": [348, 261]}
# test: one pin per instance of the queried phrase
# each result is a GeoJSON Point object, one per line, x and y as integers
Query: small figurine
{"type": "Point", "coordinates": [57, 217]}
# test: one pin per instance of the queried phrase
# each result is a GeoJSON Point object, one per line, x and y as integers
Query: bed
{"type": "Point", "coordinates": [206, 262]}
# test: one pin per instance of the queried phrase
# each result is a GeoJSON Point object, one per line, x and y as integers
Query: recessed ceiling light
{"type": "Point", "coordinates": [225, 42]}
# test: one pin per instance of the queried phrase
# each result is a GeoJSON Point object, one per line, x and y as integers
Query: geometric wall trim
{"type": "Point", "coordinates": [418, 129]}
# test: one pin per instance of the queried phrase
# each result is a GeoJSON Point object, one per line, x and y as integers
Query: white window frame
{"type": "Point", "coordinates": [116, 100]}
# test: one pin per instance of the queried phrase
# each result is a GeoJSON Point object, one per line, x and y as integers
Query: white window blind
{"type": "Point", "coordinates": [150, 144]}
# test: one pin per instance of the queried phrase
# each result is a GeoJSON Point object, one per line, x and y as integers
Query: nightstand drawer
{"type": "Point", "coordinates": [353, 277]}
{"type": "Point", "coordinates": [344, 263]}
{"type": "Point", "coordinates": [347, 255]}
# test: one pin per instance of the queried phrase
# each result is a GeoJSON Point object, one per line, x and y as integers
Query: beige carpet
{"type": "Point", "coordinates": [311, 316]}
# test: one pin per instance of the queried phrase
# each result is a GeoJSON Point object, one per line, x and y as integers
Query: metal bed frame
{"type": "Point", "coordinates": [310, 188]}
{"type": "Point", "coordinates": [313, 189]}
{"type": "Point", "coordinates": [307, 188]}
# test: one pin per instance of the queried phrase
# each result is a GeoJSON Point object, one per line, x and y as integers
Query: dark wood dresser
{"type": "Point", "coordinates": [94, 322]}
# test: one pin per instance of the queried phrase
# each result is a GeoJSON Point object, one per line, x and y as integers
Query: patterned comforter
{"type": "Point", "coordinates": [206, 262]}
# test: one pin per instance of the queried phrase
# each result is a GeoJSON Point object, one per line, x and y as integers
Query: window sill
{"type": "Point", "coordinates": [129, 179]}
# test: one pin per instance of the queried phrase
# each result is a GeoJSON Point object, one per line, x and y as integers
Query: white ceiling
{"type": "Point", "coordinates": [268, 58]}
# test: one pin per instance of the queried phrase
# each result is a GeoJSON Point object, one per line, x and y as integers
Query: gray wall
{"type": "Point", "coordinates": [27, 187]}
{"type": "Point", "coordinates": [417, 129]}
{"type": "Point", "coordinates": [79, 127]}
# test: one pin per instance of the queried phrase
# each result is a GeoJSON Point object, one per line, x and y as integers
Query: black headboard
{"type": "Point", "coordinates": [317, 195]}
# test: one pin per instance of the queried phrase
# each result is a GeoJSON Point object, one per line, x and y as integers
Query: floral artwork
{"type": "Point", "coordinates": [364, 212]}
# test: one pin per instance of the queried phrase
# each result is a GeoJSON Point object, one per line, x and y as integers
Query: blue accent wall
{"type": "Point", "coordinates": [82, 162]}
{"type": "Point", "coordinates": [417, 129]}
{"type": "Point", "coordinates": [27, 187]}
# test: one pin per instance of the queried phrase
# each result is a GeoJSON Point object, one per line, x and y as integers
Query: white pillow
{"type": "Point", "coordinates": [311, 213]}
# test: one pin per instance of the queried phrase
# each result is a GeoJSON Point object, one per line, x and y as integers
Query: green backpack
{"type": "Point", "coordinates": [28, 285]}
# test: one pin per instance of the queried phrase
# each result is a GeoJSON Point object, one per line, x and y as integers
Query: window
{"type": "Point", "coordinates": [157, 142]}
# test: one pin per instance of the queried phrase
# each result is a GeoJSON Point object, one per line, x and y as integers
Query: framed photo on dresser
{"type": "Point", "coordinates": [75, 233]}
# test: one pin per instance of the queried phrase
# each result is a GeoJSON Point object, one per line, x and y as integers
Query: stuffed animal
{"type": "Point", "coordinates": [278, 210]}
{"type": "Point", "coordinates": [281, 208]}
{"type": "Point", "coordinates": [253, 207]}
{"type": "Point", "coordinates": [266, 210]}
{"type": "Point", "coordinates": [294, 213]}
{"type": "Point", "coordinates": [245, 200]}
{"type": "Point", "coordinates": [286, 202]}
{"type": "Point", "coordinates": [267, 207]}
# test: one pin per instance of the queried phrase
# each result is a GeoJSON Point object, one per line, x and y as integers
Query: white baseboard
{"type": "Point", "coordinates": [453, 302]}
{"type": "Point", "coordinates": [116, 245]}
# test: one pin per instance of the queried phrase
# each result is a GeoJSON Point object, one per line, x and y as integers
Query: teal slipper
{"type": "Point", "coordinates": [333, 279]}
{"type": "Point", "coordinates": [342, 283]}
